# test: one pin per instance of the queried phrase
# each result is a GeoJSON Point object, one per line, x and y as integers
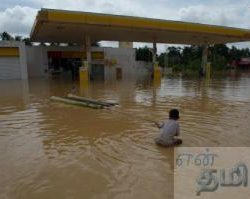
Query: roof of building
{"type": "Point", "coordinates": [71, 26]}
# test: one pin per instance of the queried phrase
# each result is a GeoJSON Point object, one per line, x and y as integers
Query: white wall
{"type": "Point", "coordinates": [23, 61]}
{"type": "Point", "coordinates": [33, 61]}
{"type": "Point", "coordinates": [126, 60]}
{"type": "Point", "coordinates": [143, 68]}
{"type": "Point", "coordinates": [37, 60]}
{"type": "Point", "coordinates": [10, 68]}
{"type": "Point", "coordinates": [14, 67]}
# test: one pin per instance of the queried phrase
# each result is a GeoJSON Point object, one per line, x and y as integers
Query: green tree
{"type": "Point", "coordinates": [174, 55]}
{"type": "Point", "coordinates": [190, 53]}
{"type": "Point", "coordinates": [18, 38]}
{"type": "Point", "coordinates": [234, 54]}
{"type": "Point", "coordinates": [6, 36]}
{"type": "Point", "coordinates": [161, 59]}
{"type": "Point", "coordinates": [144, 54]}
{"type": "Point", "coordinates": [27, 41]}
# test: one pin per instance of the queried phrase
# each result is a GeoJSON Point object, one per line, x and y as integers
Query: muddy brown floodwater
{"type": "Point", "coordinates": [51, 150]}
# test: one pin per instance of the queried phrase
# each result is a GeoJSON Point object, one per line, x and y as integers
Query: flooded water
{"type": "Point", "coordinates": [52, 150]}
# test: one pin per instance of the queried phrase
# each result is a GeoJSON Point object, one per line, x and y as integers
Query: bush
{"type": "Point", "coordinates": [219, 62]}
{"type": "Point", "coordinates": [194, 65]}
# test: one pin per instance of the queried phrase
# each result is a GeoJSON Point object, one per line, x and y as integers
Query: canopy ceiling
{"type": "Point", "coordinates": [71, 27]}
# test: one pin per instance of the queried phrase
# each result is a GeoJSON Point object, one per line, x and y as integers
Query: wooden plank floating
{"type": "Point", "coordinates": [88, 100]}
{"type": "Point", "coordinates": [77, 103]}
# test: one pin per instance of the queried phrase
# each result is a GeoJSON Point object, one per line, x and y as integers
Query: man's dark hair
{"type": "Point", "coordinates": [174, 114]}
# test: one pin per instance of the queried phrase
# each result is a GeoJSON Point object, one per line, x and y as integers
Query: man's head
{"type": "Point", "coordinates": [174, 114]}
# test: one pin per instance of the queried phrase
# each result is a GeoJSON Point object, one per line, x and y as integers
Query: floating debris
{"type": "Point", "coordinates": [76, 102]}
{"type": "Point", "coordinates": [88, 100]}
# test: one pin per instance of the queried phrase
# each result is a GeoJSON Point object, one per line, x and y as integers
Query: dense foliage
{"type": "Point", "coordinates": [144, 54]}
{"type": "Point", "coordinates": [189, 57]}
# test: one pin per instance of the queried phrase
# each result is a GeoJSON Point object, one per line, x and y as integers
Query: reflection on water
{"type": "Point", "coordinates": [51, 150]}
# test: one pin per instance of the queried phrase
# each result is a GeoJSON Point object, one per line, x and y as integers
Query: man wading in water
{"type": "Point", "coordinates": [168, 130]}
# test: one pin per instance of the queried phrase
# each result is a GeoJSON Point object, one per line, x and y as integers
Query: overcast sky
{"type": "Point", "coordinates": [17, 16]}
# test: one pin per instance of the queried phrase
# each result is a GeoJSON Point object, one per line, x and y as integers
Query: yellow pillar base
{"type": "Point", "coordinates": [208, 70]}
{"type": "Point", "coordinates": [157, 72]}
{"type": "Point", "coordinates": [157, 75]}
{"type": "Point", "coordinates": [84, 77]}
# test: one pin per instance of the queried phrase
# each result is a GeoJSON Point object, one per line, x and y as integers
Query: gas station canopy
{"type": "Point", "coordinates": [72, 27]}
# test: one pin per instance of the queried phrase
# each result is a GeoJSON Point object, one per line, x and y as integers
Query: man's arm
{"type": "Point", "coordinates": [159, 124]}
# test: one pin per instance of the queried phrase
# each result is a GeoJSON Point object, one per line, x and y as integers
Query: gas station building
{"type": "Point", "coordinates": [18, 61]}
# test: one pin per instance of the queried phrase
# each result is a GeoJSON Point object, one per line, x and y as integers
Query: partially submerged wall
{"type": "Point", "coordinates": [13, 63]}
{"type": "Point", "coordinates": [115, 60]}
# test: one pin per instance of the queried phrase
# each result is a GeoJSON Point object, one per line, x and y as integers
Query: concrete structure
{"type": "Point", "coordinates": [18, 61]}
{"type": "Point", "coordinates": [112, 62]}
{"type": "Point", "coordinates": [13, 60]}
